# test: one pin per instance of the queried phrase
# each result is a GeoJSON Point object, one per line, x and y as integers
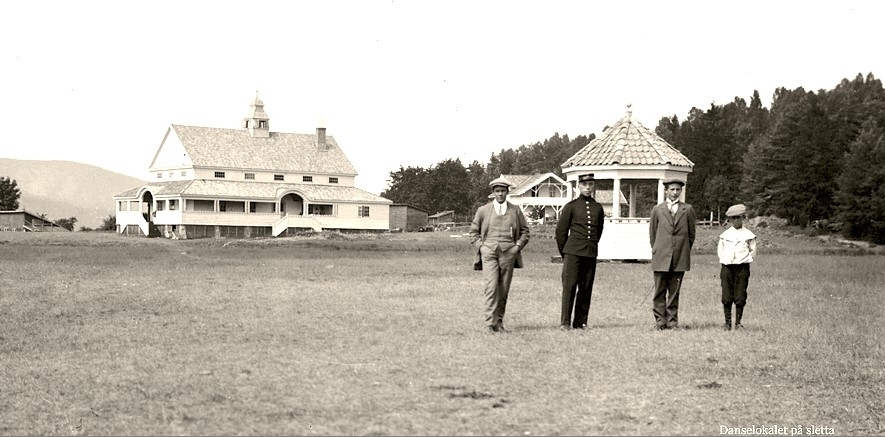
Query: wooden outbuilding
{"type": "Point", "coordinates": [407, 217]}
{"type": "Point", "coordinates": [24, 221]}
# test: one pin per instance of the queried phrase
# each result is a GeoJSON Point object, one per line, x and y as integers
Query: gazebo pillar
{"type": "Point", "coordinates": [632, 200]}
{"type": "Point", "coordinates": [616, 198]}
{"type": "Point", "coordinates": [661, 197]}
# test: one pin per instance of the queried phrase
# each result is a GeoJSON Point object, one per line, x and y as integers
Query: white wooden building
{"type": "Point", "coordinates": [248, 182]}
{"type": "Point", "coordinates": [635, 160]}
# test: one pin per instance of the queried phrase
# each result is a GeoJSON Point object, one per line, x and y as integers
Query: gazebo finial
{"type": "Point", "coordinates": [629, 110]}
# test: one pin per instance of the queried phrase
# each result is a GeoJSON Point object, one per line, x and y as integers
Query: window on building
{"type": "Point", "coordinates": [318, 209]}
{"type": "Point", "coordinates": [363, 211]}
{"type": "Point", "coordinates": [262, 124]}
{"type": "Point", "coordinates": [278, 177]}
{"type": "Point", "coordinates": [249, 176]}
{"type": "Point", "coordinates": [173, 204]}
{"type": "Point", "coordinates": [251, 206]}
{"type": "Point", "coordinates": [183, 173]}
{"type": "Point", "coordinates": [171, 174]}
{"type": "Point", "coordinates": [219, 174]}
{"type": "Point", "coordinates": [333, 180]}
{"type": "Point", "coordinates": [307, 178]}
{"type": "Point", "coordinates": [159, 175]}
{"type": "Point", "coordinates": [222, 206]}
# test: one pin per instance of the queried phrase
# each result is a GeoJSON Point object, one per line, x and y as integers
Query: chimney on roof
{"type": "Point", "coordinates": [321, 138]}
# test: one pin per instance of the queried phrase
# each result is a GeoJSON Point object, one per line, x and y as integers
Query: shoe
{"type": "Point", "coordinates": [500, 328]}
{"type": "Point", "coordinates": [581, 326]}
{"type": "Point", "coordinates": [738, 326]}
{"type": "Point", "coordinates": [492, 329]}
{"type": "Point", "coordinates": [726, 327]}
{"type": "Point", "coordinates": [565, 328]}
{"type": "Point", "coordinates": [660, 327]}
{"type": "Point", "coordinates": [672, 326]}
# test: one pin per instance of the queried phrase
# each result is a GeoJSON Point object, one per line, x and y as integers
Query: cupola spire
{"type": "Point", "coordinates": [256, 121]}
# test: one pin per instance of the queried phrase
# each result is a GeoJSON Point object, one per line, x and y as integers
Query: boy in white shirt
{"type": "Point", "coordinates": [737, 248]}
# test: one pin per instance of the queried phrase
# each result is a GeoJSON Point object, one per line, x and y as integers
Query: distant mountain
{"type": "Point", "coordinates": [64, 189]}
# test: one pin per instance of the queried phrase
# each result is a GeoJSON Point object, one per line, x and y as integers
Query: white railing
{"type": "Point", "coordinates": [280, 225]}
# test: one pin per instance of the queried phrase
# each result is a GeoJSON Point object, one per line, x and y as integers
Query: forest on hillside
{"type": "Point", "coordinates": [814, 158]}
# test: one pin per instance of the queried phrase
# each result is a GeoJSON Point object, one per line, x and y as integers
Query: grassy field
{"type": "Point", "coordinates": [340, 334]}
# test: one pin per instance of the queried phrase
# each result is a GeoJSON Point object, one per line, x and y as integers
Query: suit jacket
{"type": "Point", "coordinates": [671, 237]}
{"type": "Point", "coordinates": [580, 227]}
{"type": "Point", "coordinates": [480, 227]}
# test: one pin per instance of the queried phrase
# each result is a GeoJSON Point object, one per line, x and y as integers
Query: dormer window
{"type": "Point", "coordinates": [219, 174]}
{"type": "Point", "coordinates": [262, 124]}
{"type": "Point", "coordinates": [307, 179]}
{"type": "Point", "coordinates": [333, 180]}
{"type": "Point", "coordinates": [279, 177]}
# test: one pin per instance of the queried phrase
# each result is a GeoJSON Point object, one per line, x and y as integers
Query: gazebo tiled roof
{"type": "Point", "coordinates": [628, 143]}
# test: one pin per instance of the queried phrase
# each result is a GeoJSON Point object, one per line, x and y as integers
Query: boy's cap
{"type": "Point", "coordinates": [673, 181]}
{"type": "Point", "coordinates": [736, 210]}
{"type": "Point", "coordinates": [500, 182]}
{"type": "Point", "coordinates": [586, 178]}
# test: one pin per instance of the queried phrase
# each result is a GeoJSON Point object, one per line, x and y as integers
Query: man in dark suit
{"type": "Point", "coordinates": [671, 234]}
{"type": "Point", "coordinates": [577, 237]}
{"type": "Point", "coordinates": [499, 232]}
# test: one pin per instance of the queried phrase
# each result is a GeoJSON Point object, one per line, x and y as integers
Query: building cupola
{"type": "Point", "coordinates": [256, 121]}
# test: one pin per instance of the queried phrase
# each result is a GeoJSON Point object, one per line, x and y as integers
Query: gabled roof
{"type": "Point", "coordinates": [523, 183]}
{"type": "Point", "coordinates": [235, 148]}
{"type": "Point", "coordinates": [254, 190]}
{"type": "Point", "coordinates": [628, 143]}
{"type": "Point", "coordinates": [441, 214]}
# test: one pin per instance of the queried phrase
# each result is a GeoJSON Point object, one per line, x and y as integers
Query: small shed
{"type": "Point", "coordinates": [441, 217]}
{"type": "Point", "coordinates": [407, 217]}
{"type": "Point", "coordinates": [629, 157]}
{"type": "Point", "coordinates": [24, 221]}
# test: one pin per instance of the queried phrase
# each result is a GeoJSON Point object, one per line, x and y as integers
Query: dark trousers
{"type": "Point", "coordinates": [735, 278]}
{"type": "Point", "coordinates": [578, 272]}
{"type": "Point", "coordinates": [666, 299]}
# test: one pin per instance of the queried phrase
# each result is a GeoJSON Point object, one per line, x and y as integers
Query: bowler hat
{"type": "Point", "coordinates": [736, 210]}
{"type": "Point", "coordinates": [500, 181]}
{"type": "Point", "coordinates": [585, 177]}
{"type": "Point", "coordinates": [673, 181]}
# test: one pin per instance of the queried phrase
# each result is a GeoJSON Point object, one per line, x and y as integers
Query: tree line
{"type": "Point", "coordinates": [815, 158]}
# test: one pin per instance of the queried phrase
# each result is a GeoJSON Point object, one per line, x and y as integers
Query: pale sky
{"type": "Point", "coordinates": [401, 83]}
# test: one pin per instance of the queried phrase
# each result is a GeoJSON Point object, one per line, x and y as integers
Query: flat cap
{"type": "Point", "coordinates": [736, 210]}
{"type": "Point", "coordinates": [673, 181]}
{"type": "Point", "coordinates": [586, 178]}
{"type": "Point", "coordinates": [500, 181]}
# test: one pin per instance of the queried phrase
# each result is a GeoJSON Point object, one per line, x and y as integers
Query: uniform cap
{"type": "Point", "coordinates": [586, 177]}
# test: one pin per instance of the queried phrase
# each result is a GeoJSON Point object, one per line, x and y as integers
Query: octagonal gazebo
{"type": "Point", "coordinates": [636, 160]}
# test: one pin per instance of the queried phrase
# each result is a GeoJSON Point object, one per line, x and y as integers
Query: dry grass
{"type": "Point", "coordinates": [349, 334]}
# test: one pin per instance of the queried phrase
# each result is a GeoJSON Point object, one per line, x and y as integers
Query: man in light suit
{"type": "Point", "coordinates": [499, 232]}
{"type": "Point", "coordinates": [671, 234]}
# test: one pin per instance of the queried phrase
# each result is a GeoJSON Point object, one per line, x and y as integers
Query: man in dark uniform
{"type": "Point", "coordinates": [577, 236]}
